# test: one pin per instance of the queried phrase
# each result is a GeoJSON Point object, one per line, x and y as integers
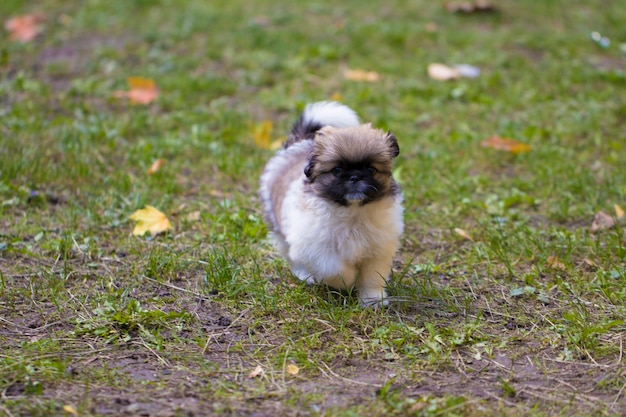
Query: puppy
{"type": "Point", "coordinates": [331, 203]}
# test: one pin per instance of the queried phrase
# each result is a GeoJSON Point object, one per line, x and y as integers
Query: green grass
{"type": "Point", "coordinates": [107, 323]}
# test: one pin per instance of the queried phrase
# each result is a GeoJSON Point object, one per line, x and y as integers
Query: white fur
{"type": "Point", "coordinates": [326, 243]}
{"type": "Point", "coordinates": [340, 246]}
{"type": "Point", "coordinates": [330, 113]}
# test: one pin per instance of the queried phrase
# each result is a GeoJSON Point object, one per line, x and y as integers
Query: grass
{"type": "Point", "coordinates": [527, 318]}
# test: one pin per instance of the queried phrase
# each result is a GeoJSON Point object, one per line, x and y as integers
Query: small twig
{"type": "Point", "coordinates": [348, 379]}
{"type": "Point", "coordinates": [232, 323]}
{"type": "Point", "coordinates": [77, 245]}
{"type": "Point", "coordinates": [285, 363]}
{"type": "Point", "coordinates": [159, 357]}
{"type": "Point", "coordinates": [174, 287]}
{"type": "Point", "coordinates": [597, 365]}
{"type": "Point", "coordinates": [619, 394]}
{"type": "Point", "coordinates": [6, 410]}
{"type": "Point", "coordinates": [495, 397]}
{"type": "Point", "coordinates": [471, 289]}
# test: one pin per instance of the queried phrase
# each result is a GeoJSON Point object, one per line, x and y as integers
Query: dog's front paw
{"type": "Point", "coordinates": [373, 298]}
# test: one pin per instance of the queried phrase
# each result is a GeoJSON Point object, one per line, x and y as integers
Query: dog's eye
{"type": "Point", "coordinates": [337, 170]}
{"type": "Point", "coordinates": [371, 170]}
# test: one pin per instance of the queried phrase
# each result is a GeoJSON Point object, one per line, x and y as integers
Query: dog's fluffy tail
{"type": "Point", "coordinates": [320, 114]}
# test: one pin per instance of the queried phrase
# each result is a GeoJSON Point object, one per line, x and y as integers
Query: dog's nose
{"type": "Point", "coordinates": [354, 178]}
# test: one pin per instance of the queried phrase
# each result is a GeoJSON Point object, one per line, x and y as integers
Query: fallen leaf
{"type": "Point", "coordinates": [361, 75]}
{"type": "Point", "coordinates": [468, 7]}
{"type": "Point", "coordinates": [431, 27]}
{"type": "Point", "coordinates": [417, 407]}
{"type": "Point", "coordinates": [601, 221]}
{"type": "Point", "coordinates": [194, 216]}
{"type": "Point", "coordinates": [506, 144]}
{"type": "Point", "coordinates": [442, 72]}
{"type": "Point", "coordinates": [292, 369]}
{"type": "Point", "coordinates": [467, 70]}
{"type": "Point", "coordinates": [554, 263]}
{"type": "Point", "coordinates": [220, 194]}
{"type": "Point", "coordinates": [261, 132]}
{"type": "Point", "coordinates": [336, 97]}
{"type": "Point", "coordinates": [619, 213]}
{"type": "Point", "coordinates": [463, 234]}
{"type": "Point", "coordinates": [590, 263]}
{"type": "Point", "coordinates": [150, 220]}
{"type": "Point", "coordinates": [141, 91]}
{"type": "Point", "coordinates": [256, 372]}
{"type": "Point", "coordinates": [24, 28]}
{"type": "Point", "coordinates": [70, 409]}
{"type": "Point", "coordinates": [156, 165]}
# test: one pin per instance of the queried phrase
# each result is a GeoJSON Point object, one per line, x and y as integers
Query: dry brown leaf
{"type": "Point", "coordinates": [194, 216]}
{"type": "Point", "coordinates": [141, 91]}
{"type": "Point", "coordinates": [361, 75]}
{"type": "Point", "coordinates": [292, 369]}
{"type": "Point", "coordinates": [506, 144]}
{"type": "Point", "coordinates": [24, 28]}
{"type": "Point", "coordinates": [442, 72]}
{"type": "Point", "coordinates": [590, 263]}
{"type": "Point", "coordinates": [156, 165]}
{"type": "Point", "coordinates": [219, 194]}
{"type": "Point", "coordinates": [463, 234]}
{"type": "Point", "coordinates": [619, 213]}
{"type": "Point", "coordinates": [256, 372]}
{"type": "Point", "coordinates": [554, 263]}
{"type": "Point", "coordinates": [150, 220]}
{"type": "Point", "coordinates": [431, 27]}
{"type": "Point", "coordinates": [601, 221]}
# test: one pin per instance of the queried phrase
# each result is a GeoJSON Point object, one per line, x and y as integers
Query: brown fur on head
{"type": "Point", "coordinates": [352, 164]}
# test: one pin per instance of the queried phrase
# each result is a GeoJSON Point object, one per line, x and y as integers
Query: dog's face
{"type": "Point", "coordinates": [352, 165]}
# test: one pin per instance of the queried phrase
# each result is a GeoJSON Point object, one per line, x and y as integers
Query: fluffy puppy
{"type": "Point", "coordinates": [331, 203]}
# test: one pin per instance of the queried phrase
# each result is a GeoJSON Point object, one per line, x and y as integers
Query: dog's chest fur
{"type": "Point", "coordinates": [350, 234]}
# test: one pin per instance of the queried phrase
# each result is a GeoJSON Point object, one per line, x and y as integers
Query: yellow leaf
{"type": "Point", "coordinates": [70, 409]}
{"type": "Point", "coordinates": [463, 234]}
{"type": "Point", "coordinates": [336, 97]}
{"type": "Point", "coordinates": [292, 369]}
{"type": "Point", "coordinates": [156, 165]}
{"type": "Point", "coordinates": [505, 144]}
{"type": "Point", "coordinates": [619, 213]}
{"type": "Point", "coordinates": [278, 143]}
{"type": "Point", "coordinates": [360, 75]}
{"type": "Point", "coordinates": [150, 220]}
{"type": "Point", "coordinates": [261, 133]}
{"type": "Point", "coordinates": [141, 91]}
{"type": "Point", "coordinates": [442, 72]}
{"type": "Point", "coordinates": [219, 194]}
{"type": "Point", "coordinates": [256, 372]}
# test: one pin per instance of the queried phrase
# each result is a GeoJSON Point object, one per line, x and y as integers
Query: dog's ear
{"type": "Point", "coordinates": [393, 144]}
{"type": "Point", "coordinates": [326, 130]}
